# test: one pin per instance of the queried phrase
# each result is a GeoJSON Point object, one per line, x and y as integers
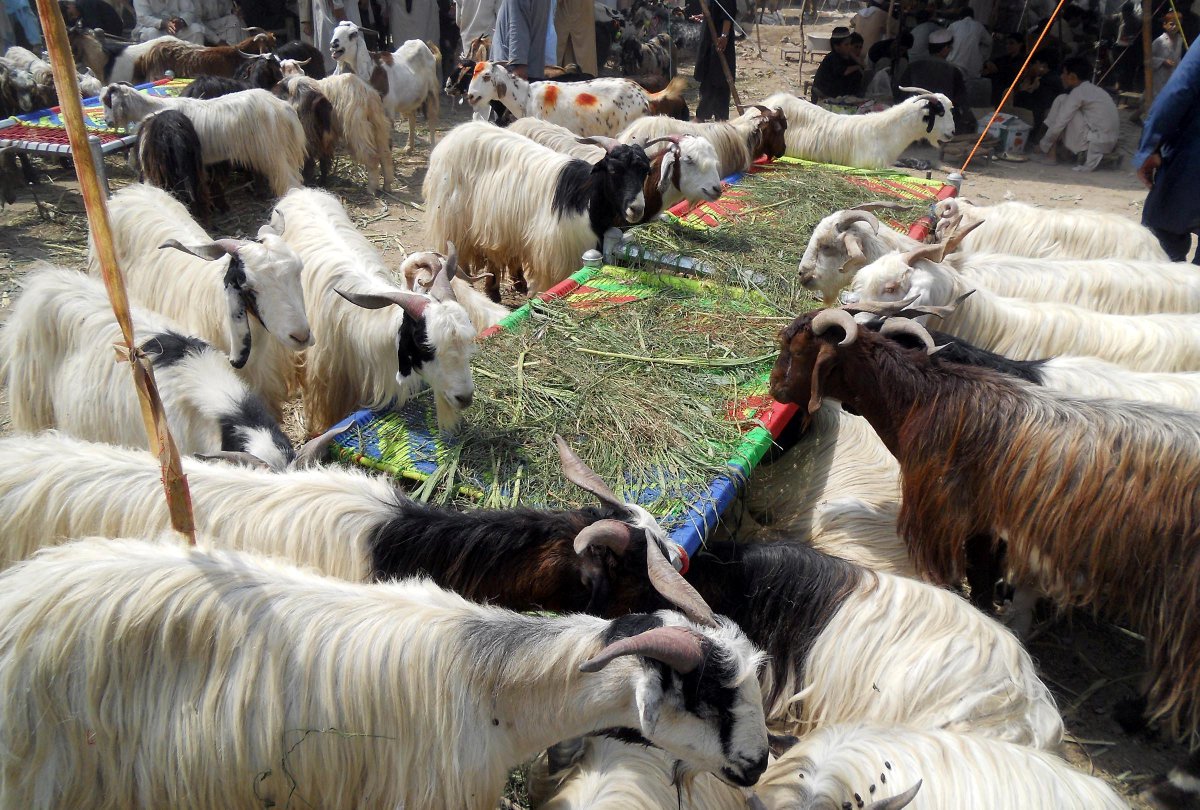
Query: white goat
{"type": "Point", "coordinates": [872, 141]}
{"type": "Point", "coordinates": [43, 74]}
{"type": "Point", "coordinates": [1019, 229]}
{"type": "Point", "coordinates": [1027, 330]}
{"type": "Point", "coordinates": [683, 168]}
{"type": "Point", "coordinates": [508, 202]}
{"type": "Point", "coordinates": [842, 243]}
{"type": "Point", "coordinates": [251, 128]}
{"type": "Point", "coordinates": [419, 271]}
{"type": "Point", "coordinates": [56, 359]}
{"type": "Point", "coordinates": [840, 766]}
{"type": "Point", "coordinates": [246, 294]}
{"type": "Point", "coordinates": [596, 107]}
{"type": "Point", "coordinates": [839, 487]}
{"type": "Point", "coordinates": [600, 773]}
{"type": "Point", "coordinates": [1096, 378]}
{"type": "Point", "coordinates": [391, 695]}
{"type": "Point", "coordinates": [737, 142]}
{"type": "Point", "coordinates": [407, 80]}
{"type": "Point", "coordinates": [381, 342]}
{"type": "Point", "coordinates": [360, 123]}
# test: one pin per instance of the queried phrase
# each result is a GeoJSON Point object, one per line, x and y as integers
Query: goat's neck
{"type": "Point", "coordinates": [517, 99]}
{"type": "Point", "coordinates": [538, 696]}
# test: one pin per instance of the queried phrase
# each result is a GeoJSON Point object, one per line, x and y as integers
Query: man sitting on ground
{"type": "Point", "coordinates": [1083, 122]}
{"type": "Point", "coordinates": [840, 72]}
{"type": "Point", "coordinates": [936, 75]}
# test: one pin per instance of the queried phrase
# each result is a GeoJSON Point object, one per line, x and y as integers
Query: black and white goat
{"type": "Point", "coordinates": [56, 359]}
{"type": "Point", "coordinates": [543, 224]}
{"type": "Point", "coordinates": [170, 157]}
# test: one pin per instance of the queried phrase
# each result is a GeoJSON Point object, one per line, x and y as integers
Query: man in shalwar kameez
{"type": "Point", "coordinates": [1168, 160]}
{"type": "Point", "coordinates": [413, 19]}
{"type": "Point", "coordinates": [1083, 121]}
{"type": "Point", "coordinates": [575, 22]}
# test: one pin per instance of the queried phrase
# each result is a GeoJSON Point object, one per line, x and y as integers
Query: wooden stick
{"type": "Point", "coordinates": [712, 32]}
{"type": "Point", "coordinates": [179, 502]}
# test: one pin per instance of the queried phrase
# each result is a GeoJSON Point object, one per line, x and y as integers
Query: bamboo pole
{"type": "Point", "coordinates": [712, 32]}
{"type": "Point", "coordinates": [179, 502]}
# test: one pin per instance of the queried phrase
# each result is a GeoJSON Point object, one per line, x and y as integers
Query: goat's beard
{"type": "Point", "coordinates": [447, 415]}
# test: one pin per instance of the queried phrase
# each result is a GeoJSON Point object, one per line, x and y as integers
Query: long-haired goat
{"type": "Point", "coordinates": [56, 362]}
{"type": "Point", "coordinates": [871, 141]}
{"type": "Point", "coordinates": [344, 523]}
{"type": "Point", "coordinates": [985, 458]}
{"type": "Point", "coordinates": [596, 107]}
{"type": "Point", "coordinates": [316, 115]}
{"type": "Point", "coordinates": [406, 80]}
{"type": "Point", "coordinates": [251, 129]}
{"type": "Point", "coordinates": [840, 766]}
{"type": "Point", "coordinates": [1028, 330]}
{"type": "Point", "coordinates": [186, 59]}
{"type": "Point", "coordinates": [379, 342]}
{"type": "Point", "coordinates": [758, 131]}
{"type": "Point", "coordinates": [545, 223]}
{"type": "Point", "coordinates": [421, 269]}
{"type": "Point", "coordinates": [681, 168]}
{"type": "Point", "coordinates": [397, 695]}
{"type": "Point", "coordinates": [842, 243]}
{"type": "Point", "coordinates": [246, 294]}
{"type": "Point", "coordinates": [1019, 229]}
{"type": "Point", "coordinates": [360, 123]}
{"type": "Point", "coordinates": [171, 158]}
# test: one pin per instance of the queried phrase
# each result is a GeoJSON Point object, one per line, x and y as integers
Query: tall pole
{"type": "Point", "coordinates": [66, 84]}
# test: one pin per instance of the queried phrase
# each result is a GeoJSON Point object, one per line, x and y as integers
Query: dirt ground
{"type": "Point", "coordinates": [1089, 665]}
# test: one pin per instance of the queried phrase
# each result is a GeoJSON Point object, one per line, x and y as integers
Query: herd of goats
{"type": "Point", "coordinates": [332, 643]}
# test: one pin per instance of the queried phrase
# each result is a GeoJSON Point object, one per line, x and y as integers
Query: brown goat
{"type": "Point", "coordinates": [1097, 500]}
{"type": "Point", "coordinates": [186, 60]}
{"type": "Point", "coordinates": [772, 128]}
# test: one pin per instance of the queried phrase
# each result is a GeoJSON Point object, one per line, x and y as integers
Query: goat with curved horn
{"type": "Point", "coordinates": [582, 476]}
{"type": "Point", "coordinates": [907, 327]}
{"type": "Point", "coordinates": [678, 647]}
{"type": "Point", "coordinates": [413, 305]}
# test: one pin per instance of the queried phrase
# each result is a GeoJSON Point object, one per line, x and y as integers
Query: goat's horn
{"type": "Point", "coordinates": [946, 208]}
{"type": "Point", "coordinates": [836, 317]}
{"type": "Point", "coordinates": [253, 55]}
{"type": "Point", "coordinates": [582, 476]}
{"type": "Point", "coordinates": [939, 311]}
{"type": "Point", "coordinates": [897, 802]}
{"type": "Point", "coordinates": [210, 252]}
{"type": "Point", "coordinates": [254, 29]}
{"type": "Point", "coordinates": [884, 309]}
{"type": "Point", "coordinates": [958, 236]}
{"type": "Point", "coordinates": [611, 534]}
{"type": "Point", "coordinates": [678, 647]}
{"type": "Point", "coordinates": [920, 90]}
{"type": "Point", "coordinates": [305, 62]}
{"type": "Point", "coordinates": [906, 327]}
{"type": "Point", "coordinates": [931, 252]}
{"type": "Point", "coordinates": [674, 588]}
{"type": "Point", "coordinates": [673, 139]}
{"type": "Point", "coordinates": [848, 218]}
{"type": "Point", "coordinates": [608, 144]}
{"type": "Point", "coordinates": [413, 305]}
{"type": "Point", "coordinates": [238, 457]}
{"type": "Point", "coordinates": [878, 205]}
{"type": "Point", "coordinates": [853, 246]}
{"type": "Point", "coordinates": [441, 289]}
{"type": "Point", "coordinates": [314, 449]}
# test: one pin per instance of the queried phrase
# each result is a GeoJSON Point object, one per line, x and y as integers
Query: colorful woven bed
{"type": "Point", "coordinates": [44, 132]}
{"type": "Point", "coordinates": [407, 444]}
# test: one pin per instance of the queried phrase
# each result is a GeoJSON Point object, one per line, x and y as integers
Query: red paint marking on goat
{"type": "Point", "coordinates": [550, 96]}
{"type": "Point", "coordinates": [479, 66]}
{"type": "Point", "coordinates": [586, 100]}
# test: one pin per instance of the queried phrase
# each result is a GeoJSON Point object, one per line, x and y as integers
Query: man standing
{"type": "Point", "coordinates": [873, 23]}
{"type": "Point", "coordinates": [935, 74]}
{"type": "Point", "coordinates": [475, 18]}
{"type": "Point", "coordinates": [971, 43]}
{"type": "Point", "coordinates": [575, 23]}
{"type": "Point", "coordinates": [1168, 161]}
{"type": "Point", "coordinates": [840, 72]}
{"type": "Point", "coordinates": [413, 19]}
{"type": "Point", "coordinates": [1082, 122]}
{"type": "Point", "coordinates": [714, 89]}
{"type": "Point", "coordinates": [520, 37]}
{"type": "Point", "coordinates": [1165, 52]}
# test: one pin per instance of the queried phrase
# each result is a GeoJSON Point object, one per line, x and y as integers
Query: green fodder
{"type": "Point", "coordinates": [761, 250]}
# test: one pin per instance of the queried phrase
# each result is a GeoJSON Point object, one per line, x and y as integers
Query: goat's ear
{"type": "Point", "coordinates": [668, 162]}
{"type": "Point", "coordinates": [274, 227]}
{"type": "Point", "coordinates": [826, 358]}
{"type": "Point", "coordinates": [649, 698]}
{"type": "Point", "coordinates": [239, 325]}
{"type": "Point", "coordinates": [238, 457]}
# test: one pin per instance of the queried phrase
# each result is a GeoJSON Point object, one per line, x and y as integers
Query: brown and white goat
{"type": "Point", "coordinates": [986, 459]}
{"type": "Point", "coordinates": [185, 59]}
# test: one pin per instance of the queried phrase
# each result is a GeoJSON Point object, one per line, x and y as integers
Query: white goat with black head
{"type": "Point", "coordinates": [379, 341]}
{"type": "Point", "coordinates": [406, 80]}
{"type": "Point", "coordinates": [393, 695]}
{"type": "Point", "coordinates": [244, 295]}
{"type": "Point", "coordinates": [56, 359]}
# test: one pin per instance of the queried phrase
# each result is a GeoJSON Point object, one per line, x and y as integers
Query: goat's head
{"type": "Point", "coordinates": [835, 251]}
{"type": "Point", "coordinates": [18, 85]}
{"type": "Point", "coordinates": [458, 83]}
{"type": "Point", "coordinates": [345, 42]}
{"type": "Point", "coordinates": [260, 41]}
{"type": "Point", "coordinates": [435, 339]}
{"type": "Point", "coordinates": [696, 691]}
{"type": "Point", "coordinates": [772, 126]}
{"type": "Point", "coordinates": [87, 47]}
{"type": "Point", "coordinates": [631, 56]}
{"type": "Point", "coordinates": [918, 273]}
{"type": "Point", "coordinates": [293, 67]}
{"type": "Point", "coordinates": [625, 167]}
{"type": "Point", "coordinates": [490, 81]}
{"type": "Point", "coordinates": [936, 113]}
{"type": "Point", "coordinates": [809, 349]}
{"type": "Point", "coordinates": [691, 166]}
{"type": "Point", "coordinates": [116, 98]}
{"type": "Point", "coordinates": [263, 280]}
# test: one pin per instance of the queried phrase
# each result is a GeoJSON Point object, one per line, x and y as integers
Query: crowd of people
{"type": "Point", "coordinates": [974, 53]}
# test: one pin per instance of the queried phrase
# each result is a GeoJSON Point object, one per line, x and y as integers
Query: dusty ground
{"type": "Point", "coordinates": [1089, 665]}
